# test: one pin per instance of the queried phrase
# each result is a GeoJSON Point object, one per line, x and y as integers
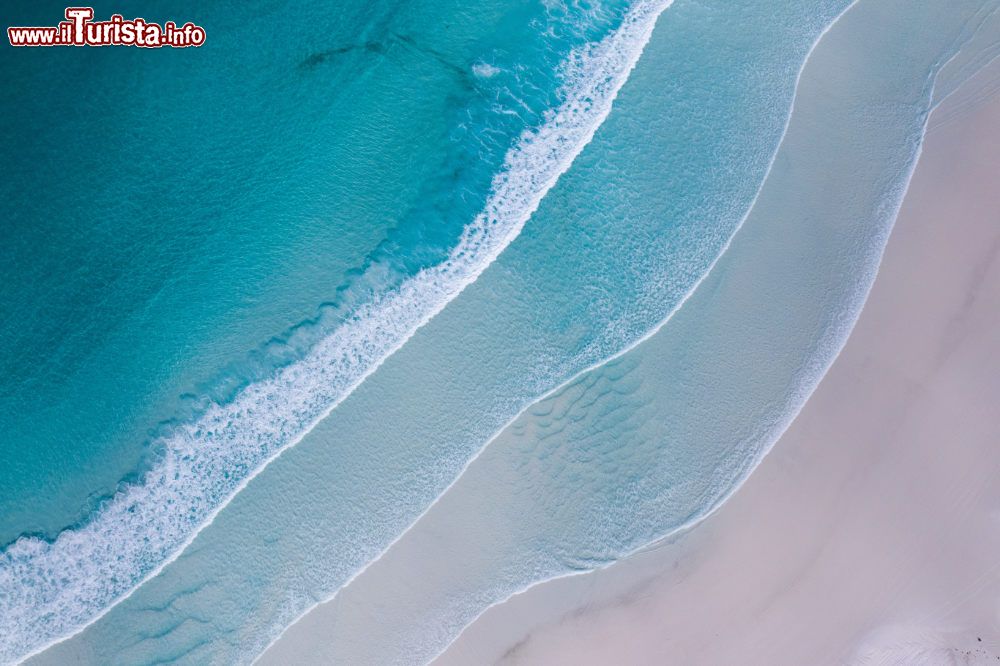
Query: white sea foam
{"type": "Point", "coordinates": [49, 591]}
{"type": "Point", "coordinates": [485, 70]}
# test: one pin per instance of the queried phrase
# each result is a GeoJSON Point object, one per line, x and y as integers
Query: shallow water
{"type": "Point", "coordinates": [650, 442]}
{"type": "Point", "coordinates": [415, 255]}
{"type": "Point", "coordinates": [352, 182]}
{"type": "Point", "coordinates": [613, 248]}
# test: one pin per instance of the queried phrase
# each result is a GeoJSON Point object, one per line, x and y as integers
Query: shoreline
{"type": "Point", "coordinates": [627, 43]}
{"type": "Point", "coordinates": [315, 612]}
{"type": "Point", "coordinates": [815, 506]}
{"type": "Point", "coordinates": [836, 258]}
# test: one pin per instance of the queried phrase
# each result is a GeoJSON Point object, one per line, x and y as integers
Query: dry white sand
{"type": "Point", "coordinates": [871, 533]}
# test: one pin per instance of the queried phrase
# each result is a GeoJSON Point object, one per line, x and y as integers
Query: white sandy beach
{"type": "Point", "coordinates": [867, 536]}
{"type": "Point", "coordinates": [871, 533]}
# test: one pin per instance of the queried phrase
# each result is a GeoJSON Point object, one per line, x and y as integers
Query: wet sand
{"type": "Point", "coordinates": [871, 532]}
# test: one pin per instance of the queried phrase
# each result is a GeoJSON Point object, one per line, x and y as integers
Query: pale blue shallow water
{"type": "Point", "coordinates": [613, 248]}
{"type": "Point", "coordinates": [232, 258]}
{"type": "Point", "coordinates": [263, 226]}
{"type": "Point", "coordinates": [648, 443]}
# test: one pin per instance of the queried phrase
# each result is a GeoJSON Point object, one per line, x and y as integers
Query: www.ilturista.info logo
{"type": "Point", "coordinates": [80, 30]}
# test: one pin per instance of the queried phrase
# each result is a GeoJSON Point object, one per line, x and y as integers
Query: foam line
{"type": "Point", "coordinates": [643, 16]}
{"type": "Point", "coordinates": [643, 338]}
{"type": "Point", "coordinates": [817, 370]}
{"type": "Point", "coordinates": [805, 391]}
{"type": "Point", "coordinates": [53, 590]}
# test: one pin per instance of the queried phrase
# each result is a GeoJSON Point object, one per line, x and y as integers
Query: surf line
{"type": "Point", "coordinates": [206, 463]}
{"type": "Point", "coordinates": [643, 338]}
{"type": "Point", "coordinates": [806, 389]}
{"type": "Point", "coordinates": [642, 19]}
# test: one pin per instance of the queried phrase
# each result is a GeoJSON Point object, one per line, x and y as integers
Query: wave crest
{"type": "Point", "coordinates": [52, 590]}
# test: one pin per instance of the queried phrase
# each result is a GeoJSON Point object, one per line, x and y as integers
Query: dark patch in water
{"type": "Point", "coordinates": [319, 58]}
{"type": "Point", "coordinates": [381, 48]}
{"type": "Point", "coordinates": [461, 72]}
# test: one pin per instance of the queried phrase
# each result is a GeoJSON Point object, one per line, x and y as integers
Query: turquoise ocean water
{"type": "Point", "coordinates": [321, 229]}
{"type": "Point", "coordinates": [648, 443]}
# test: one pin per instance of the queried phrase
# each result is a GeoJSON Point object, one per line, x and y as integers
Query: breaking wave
{"type": "Point", "coordinates": [53, 589]}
